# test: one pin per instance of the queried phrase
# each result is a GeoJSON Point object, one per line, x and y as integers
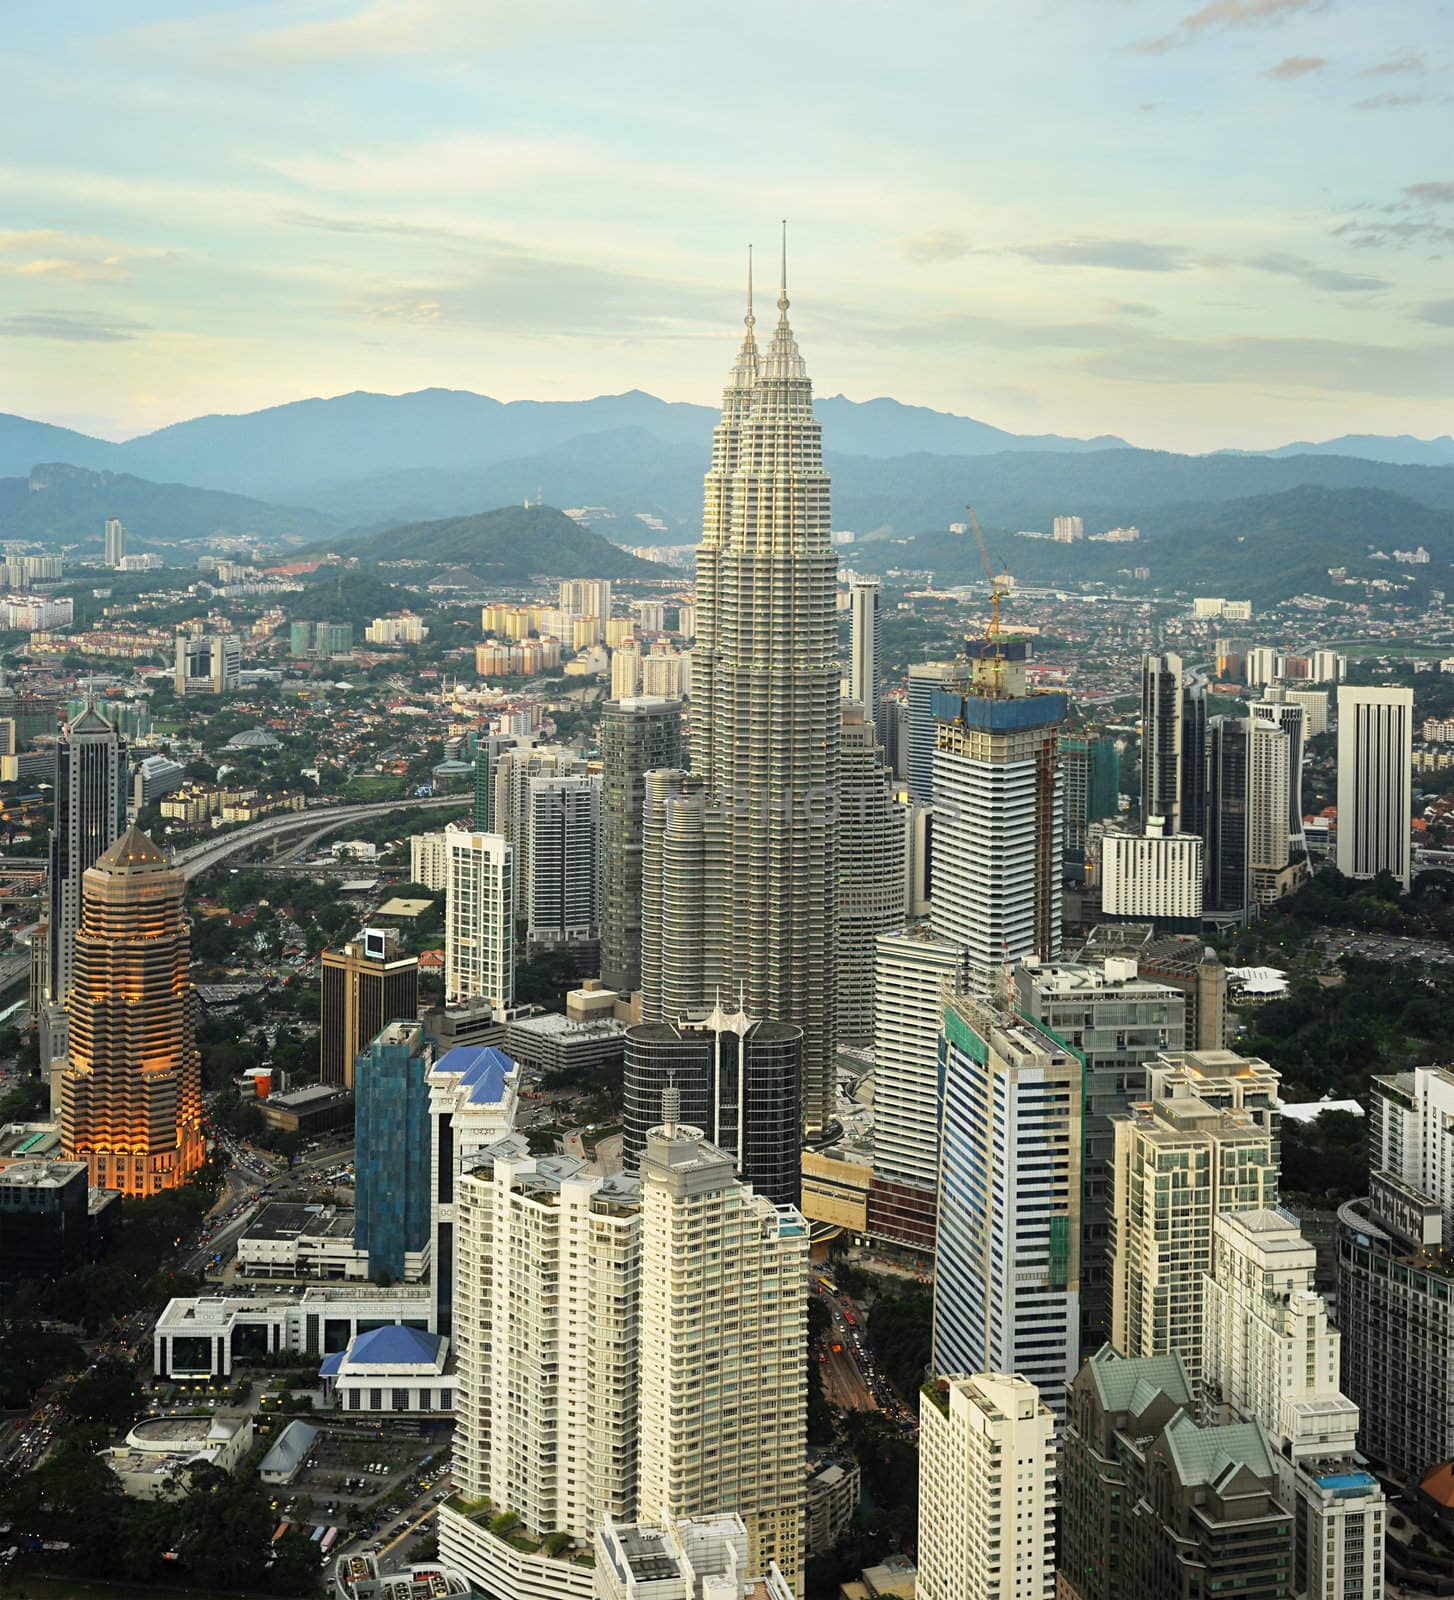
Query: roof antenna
{"type": "Point", "coordinates": [782, 299]}
{"type": "Point", "coordinates": [749, 319]}
{"type": "Point", "coordinates": [671, 1105]}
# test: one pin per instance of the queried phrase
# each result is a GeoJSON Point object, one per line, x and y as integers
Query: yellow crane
{"type": "Point", "coordinates": [1000, 583]}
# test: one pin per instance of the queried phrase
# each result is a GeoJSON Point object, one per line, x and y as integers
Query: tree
{"type": "Point", "coordinates": [107, 1395]}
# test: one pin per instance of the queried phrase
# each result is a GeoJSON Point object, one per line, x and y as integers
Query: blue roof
{"type": "Point", "coordinates": [395, 1346]}
{"type": "Point", "coordinates": [331, 1364]}
{"type": "Point", "coordinates": [483, 1069]}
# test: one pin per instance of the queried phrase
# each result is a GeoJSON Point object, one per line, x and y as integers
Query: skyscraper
{"type": "Point", "coordinates": [207, 663]}
{"type": "Point", "coordinates": [865, 646]}
{"type": "Point", "coordinates": [637, 736]}
{"type": "Point", "coordinates": [391, 1147]}
{"type": "Point", "coordinates": [1091, 766]}
{"type": "Point", "coordinates": [514, 771]}
{"type": "Point", "coordinates": [997, 824]}
{"type": "Point", "coordinates": [115, 541]}
{"type": "Point", "coordinates": [479, 924]}
{"type": "Point", "coordinates": [986, 1490]}
{"type": "Point", "coordinates": [673, 894]}
{"type": "Point", "coordinates": [925, 679]}
{"type": "Point", "coordinates": [1194, 753]}
{"type": "Point", "coordinates": [90, 812]}
{"type": "Point", "coordinates": [724, 1306]}
{"type": "Point", "coordinates": [1269, 807]}
{"type": "Point", "coordinates": [131, 1103]}
{"type": "Point", "coordinates": [1375, 781]}
{"type": "Point", "coordinates": [366, 983]}
{"type": "Point", "coordinates": [1007, 1278]}
{"type": "Point", "coordinates": [1161, 743]}
{"type": "Point", "coordinates": [737, 1078]}
{"type": "Point", "coordinates": [1229, 752]}
{"type": "Point", "coordinates": [563, 897]}
{"type": "Point", "coordinates": [872, 883]}
{"type": "Point", "coordinates": [1292, 718]}
{"type": "Point", "coordinates": [765, 707]}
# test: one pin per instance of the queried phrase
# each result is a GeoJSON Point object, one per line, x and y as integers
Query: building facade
{"type": "Point", "coordinates": [865, 648]}
{"type": "Point", "coordinates": [563, 899]}
{"type": "Point", "coordinates": [370, 981]}
{"type": "Point", "coordinates": [479, 924]}
{"type": "Point", "coordinates": [391, 1148]}
{"type": "Point", "coordinates": [1375, 782]}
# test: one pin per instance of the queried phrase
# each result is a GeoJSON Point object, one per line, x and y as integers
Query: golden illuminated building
{"type": "Point", "coordinates": [131, 1102]}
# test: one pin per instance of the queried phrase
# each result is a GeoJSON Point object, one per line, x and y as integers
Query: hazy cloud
{"type": "Point", "coordinates": [1314, 276]}
{"type": "Point", "coordinates": [1122, 255]}
{"type": "Point", "coordinates": [70, 329]}
{"type": "Point", "coordinates": [1296, 67]}
{"type": "Point", "coordinates": [1371, 235]}
{"type": "Point", "coordinates": [1390, 100]}
{"type": "Point", "coordinates": [934, 244]}
{"type": "Point", "coordinates": [1229, 14]}
{"type": "Point", "coordinates": [1439, 312]}
{"type": "Point", "coordinates": [1410, 61]}
{"type": "Point", "coordinates": [107, 271]}
{"type": "Point", "coordinates": [1441, 194]}
{"type": "Point", "coordinates": [1131, 308]}
{"type": "Point", "coordinates": [370, 225]}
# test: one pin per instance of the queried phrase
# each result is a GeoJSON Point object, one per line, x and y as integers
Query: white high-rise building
{"type": "Point", "coordinates": [865, 647]}
{"type": "Point", "coordinates": [1375, 782]}
{"type": "Point", "coordinates": [986, 1490]}
{"type": "Point", "coordinates": [1291, 718]}
{"type": "Point", "coordinates": [872, 880]}
{"type": "Point", "coordinates": [563, 899]}
{"type": "Point", "coordinates": [724, 1292]}
{"type": "Point", "coordinates": [479, 922]}
{"type": "Point", "coordinates": [547, 1344]}
{"type": "Point", "coordinates": [586, 597]}
{"type": "Point", "coordinates": [1007, 1268]}
{"type": "Point", "coordinates": [691, 1558]}
{"type": "Point", "coordinates": [1329, 666]}
{"type": "Point", "coordinates": [514, 771]}
{"type": "Point", "coordinates": [1269, 805]}
{"type": "Point", "coordinates": [1315, 708]}
{"type": "Point", "coordinates": [1263, 664]}
{"type": "Point", "coordinates": [429, 858]}
{"type": "Point", "coordinates": [1152, 877]}
{"type": "Point", "coordinates": [626, 670]}
{"type": "Point", "coordinates": [1067, 530]}
{"type": "Point", "coordinates": [1272, 1357]}
{"type": "Point", "coordinates": [115, 542]}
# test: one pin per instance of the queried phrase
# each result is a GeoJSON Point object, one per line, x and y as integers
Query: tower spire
{"type": "Point", "coordinates": [749, 319]}
{"type": "Point", "coordinates": [782, 299]}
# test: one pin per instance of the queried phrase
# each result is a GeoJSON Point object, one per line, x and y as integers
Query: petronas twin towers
{"type": "Point", "coordinates": [742, 895]}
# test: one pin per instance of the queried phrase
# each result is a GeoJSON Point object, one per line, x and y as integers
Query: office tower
{"type": "Point", "coordinates": [1007, 1278]}
{"type": "Point", "coordinates": [737, 1077]}
{"type": "Point", "coordinates": [723, 1391]}
{"type": "Point", "coordinates": [1315, 708]}
{"type": "Point", "coordinates": [366, 983]}
{"type": "Point", "coordinates": [115, 541]}
{"type": "Point", "coordinates": [1375, 781]}
{"type": "Point", "coordinates": [637, 736]}
{"type": "Point", "coordinates": [1272, 1357]}
{"type": "Point", "coordinates": [673, 906]}
{"type": "Point", "coordinates": [1153, 877]}
{"type": "Point", "coordinates": [90, 813]}
{"type": "Point", "coordinates": [1091, 769]}
{"type": "Point", "coordinates": [986, 1490]}
{"type": "Point", "coordinates": [547, 1340]}
{"type": "Point", "coordinates": [1153, 1505]}
{"type": "Point", "coordinates": [765, 706]}
{"type": "Point", "coordinates": [865, 648]}
{"type": "Point", "coordinates": [207, 663]}
{"type": "Point", "coordinates": [1203, 1141]}
{"type": "Point", "coordinates": [1395, 1281]}
{"type": "Point", "coordinates": [154, 777]}
{"type": "Point", "coordinates": [1229, 742]}
{"type": "Point", "coordinates": [131, 1101]}
{"type": "Point", "coordinates": [997, 823]}
{"type": "Point", "coordinates": [1269, 805]}
{"type": "Point", "coordinates": [1118, 1020]}
{"type": "Point", "coordinates": [586, 597]}
{"type": "Point", "coordinates": [1194, 753]}
{"type": "Point", "coordinates": [563, 897]}
{"type": "Point", "coordinates": [1287, 715]}
{"type": "Point", "coordinates": [872, 884]}
{"type": "Point", "coordinates": [1161, 745]}
{"type": "Point", "coordinates": [926, 678]}
{"type": "Point", "coordinates": [684, 1559]}
{"type": "Point", "coordinates": [474, 1094]}
{"type": "Point", "coordinates": [479, 926]}
{"type": "Point", "coordinates": [915, 977]}
{"type": "Point", "coordinates": [45, 1225]}
{"type": "Point", "coordinates": [391, 1148]}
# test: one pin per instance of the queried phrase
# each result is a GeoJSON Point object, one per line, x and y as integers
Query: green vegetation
{"type": "Point", "coordinates": [30, 1357]}
{"type": "Point", "coordinates": [346, 594]}
{"type": "Point", "coordinates": [902, 1324]}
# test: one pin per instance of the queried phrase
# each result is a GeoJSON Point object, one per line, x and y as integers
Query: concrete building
{"type": "Point", "coordinates": [1229, 741]}
{"type": "Point", "coordinates": [1153, 877]}
{"type": "Point", "coordinates": [154, 777]}
{"type": "Point", "coordinates": [926, 678]}
{"type": "Point", "coordinates": [683, 1559]}
{"type": "Point", "coordinates": [479, 927]}
{"type": "Point", "coordinates": [429, 857]}
{"type": "Point", "coordinates": [1281, 711]}
{"type": "Point", "coordinates": [1273, 1357]}
{"type": "Point", "coordinates": [207, 663]}
{"type": "Point", "coordinates": [366, 984]}
{"type": "Point", "coordinates": [1161, 741]}
{"type": "Point", "coordinates": [514, 770]}
{"type": "Point", "coordinates": [1203, 1141]}
{"type": "Point", "coordinates": [131, 1089]}
{"type": "Point", "coordinates": [392, 1148]}
{"type": "Point", "coordinates": [865, 649]}
{"type": "Point", "coordinates": [115, 542]}
{"type": "Point", "coordinates": [586, 597]}
{"type": "Point", "coordinates": [299, 1242]}
{"type": "Point", "coordinates": [637, 736]}
{"type": "Point", "coordinates": [1152, 1504]}
{"type": "Point", "coordinates": [997, 825]}
{"type": "Point", "coordinates": [1118, 1020]}
{"type": "Point", "coordinates": [1007, 1256]}
{"type": "Point", "coordinates": [45, 1220]}
{"type": "Point", "coordinates": [1375, 782]}
{"type": "Point", "coordinates": [1315, 708]}
{"type": "Point", "coordinates": [673, 911]}
{"type": "Point", "coordinates": [395, 1370]}
{"type": "Point", "coordinates": [872, 883]}
{"type": "Point", "coordinates": [737, 1077]}
{"type": "Point", "coordinates": [563, 897]}
{"type": "Point", "coordinates": [1091, 774]}
{"type": "Point", "coordinates": [834, 1490]}
{"type": "Point", "coordinates": [986, 1490]}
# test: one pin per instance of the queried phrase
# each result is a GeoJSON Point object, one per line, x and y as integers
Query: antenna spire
{"type": "Point", "coordinates": [749, 319]}
{"type": "Point", "coordinates": [782, 299]}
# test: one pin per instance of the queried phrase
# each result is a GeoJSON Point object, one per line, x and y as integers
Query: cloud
{"type": "Point", "coordinates": [108, 271]}
{"type": "Point", "coordinates": [1296, 67]}
{"type": "Point", "coordinates": [1122, 255]}
{"type": "Point", "coordinates": [1375, 235]}
{"type": "Point", "coordinates": [934, 244]}
{"type": "Point", "coordinates": [1440, 194]}
{"type": "Point", "coordinates": [1314, 276]}
{"type": "Point", "coordinates": [1221, 14]}
{"type": "Point", "coordinates": [1439, 312]}
{"type": "Point", "coordinates": [1391, 101]}
{"type": "Point", "coordinates": [1130, 308]}
{"type": "Point", "coordinates": [1410, 61]}
{"type": "Point", "coordinates": [68, 329]}
{"type": "Point", "coordinates": [368, 225]}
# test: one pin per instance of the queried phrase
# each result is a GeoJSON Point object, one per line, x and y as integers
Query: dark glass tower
{"type": "Point", "coordinates": [740, 1082]}
{"type": "Point", "coordinates": [1228, 752]}
{"type": "Point", "coordinates": [392, 1147]}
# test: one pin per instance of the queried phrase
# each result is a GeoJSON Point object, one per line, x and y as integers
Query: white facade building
{"type": "Point", "coordinates": [479, 930]}
{"type": "Point", "coordinates": [865, 645]}
{"type": "Point", "coordinates": [1315, 708]}
{"type": "Point", "coordinates": [1153, 876]}
{"type": "Point", "coordinates": [1375, 782]}
{"type": "Point", "coordinates": [563, 898]}
{"type": "Point", "coordinates": [986, 1491]}
{"type": "Point", "coordinates": [689, 1559]}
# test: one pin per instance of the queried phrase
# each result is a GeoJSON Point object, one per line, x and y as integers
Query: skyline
{"type": "Point", "coordinates": [1194, 226]}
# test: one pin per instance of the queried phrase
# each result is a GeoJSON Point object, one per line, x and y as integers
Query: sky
{"type": "Point", "coordinates": [1193, 223]}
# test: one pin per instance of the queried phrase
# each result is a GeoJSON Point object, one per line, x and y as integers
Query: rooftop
{"type": "Point", "coordinates": [483, 1070]}
{"type": "Point", "coordinates": [41, 1174]}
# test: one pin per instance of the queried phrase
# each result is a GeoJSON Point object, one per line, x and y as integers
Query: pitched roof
{"type": "Point", "coordinates": [294, 1442]}
{"type": "Point", "coordinates": [394, 1346]}
{"type": "Point", "coordinates": [1127, 1383]}
{"type": "Point", "coordinates": [483, 1069]}
{"type": "Point", "coordinates": [89, 720]}
{"type": "Point", "coordinates": [134, 852]}
{"type": "Point", "coordinates": [1211, 1455]}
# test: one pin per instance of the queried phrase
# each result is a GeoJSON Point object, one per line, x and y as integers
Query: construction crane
{"type": "Point", "coordinates": [1001, 583]}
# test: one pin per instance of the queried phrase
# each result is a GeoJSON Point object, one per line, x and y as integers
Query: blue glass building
{"type": "Point", "coordinates": [391, 1147]}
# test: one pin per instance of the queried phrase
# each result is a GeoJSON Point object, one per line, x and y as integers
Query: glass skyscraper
{"type": "Point", "coordinates": [392, 1147]}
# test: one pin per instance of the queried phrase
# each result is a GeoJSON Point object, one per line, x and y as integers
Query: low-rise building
{"type": "Point", "coordinates": [394, 1369]}
{"type": "Point", "coordinates": [312, 1241]}
{"type": "Point", "coordinates": [833, 1491]}
{"type": "Point", "coordinates": [687, 1558]}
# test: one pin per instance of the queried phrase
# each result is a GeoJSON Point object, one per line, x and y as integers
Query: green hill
{"type": "Point", "coordinates": [515, 543]}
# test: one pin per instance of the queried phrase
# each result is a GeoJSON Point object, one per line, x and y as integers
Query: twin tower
{"type": "Point", "coordinates": [740, 855]}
